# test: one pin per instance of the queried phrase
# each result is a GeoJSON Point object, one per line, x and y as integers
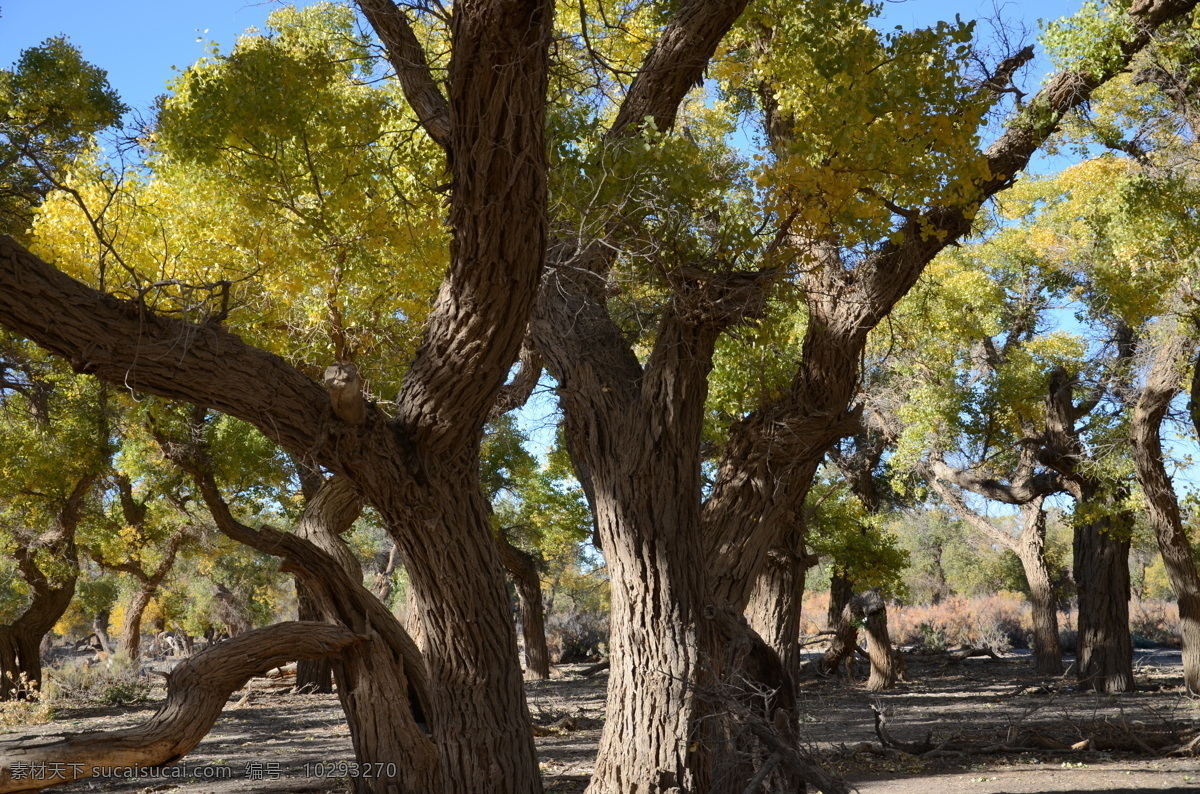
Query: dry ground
{"type": "Point", "coordinates": [981, 712]}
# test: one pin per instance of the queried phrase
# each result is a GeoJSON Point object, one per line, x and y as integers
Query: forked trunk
{"type": "Point", "coordinates": [1105, 649]}
{"type": "Point", "coordinates": [1031, 549]}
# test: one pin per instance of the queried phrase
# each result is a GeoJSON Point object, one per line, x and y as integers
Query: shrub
{"type": "Point", "coordinates": [32, 709]}
{"type": "Point", "coordinates": [577, 636]}
{"type": "Point", "coordinates": [114, 681]}
{"type": "Point", "coordinates": [1000, 622]}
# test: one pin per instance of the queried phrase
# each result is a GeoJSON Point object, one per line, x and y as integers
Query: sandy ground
{"type": "Point", "coordinates": [271, 741]}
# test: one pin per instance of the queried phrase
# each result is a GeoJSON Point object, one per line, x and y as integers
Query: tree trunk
{"type": "Point", "coordinates": [100, 629]}
{"type": "Point", "coordinates": [775, 611]}
{"type": "Point", "coordinates": [1162, 385]}
{"type": "Point", "coordinates": [131, 626]}
{"type": "Point", "coordinates": [196, 693]}
{"type": "Point", "coordinates": [20, 662]}
{"type": "Point", "coordinates": [1105, 649]}
{"type": "Point", "coordinates": [313, 676]}
{"type": "Point", "coordinates": [879, 644]}
{"type": "Point", "coordinates": [382, 684]}
{"type": "Point", "coordinates": [843, 623]}
{"type": "Point", "coordinates": [523, 570]}
{"type": "Point", "coordinates": [841, 590]}
{"type": "Point", "coordinates": [1031, 549]}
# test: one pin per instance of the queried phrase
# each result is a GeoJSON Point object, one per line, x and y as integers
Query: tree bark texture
{"type": "Point", "coordinates": [1105, 647]}
{"type": "Point", "coordinates": [197, 691]}
{"type": "Point", "coordinates": [523, 570]}
{"type": "Point", "coordinates": [1101, 549]}
{"type": "Point", "coordinates": [382, 683]}
{"type": "Point", "coordinates": [1031, 549]}
{"type": "Point", "coordinates": [879, 644]}
{"type": "Point", "coordinates": [1163, 383]}
{"type": "Point", "coordinates": [775, 611]}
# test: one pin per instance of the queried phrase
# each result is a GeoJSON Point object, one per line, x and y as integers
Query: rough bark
{"type": "Point", "coordinates": [1031, 549]}
{"type": "Point", "coordinates": [523, 570]}
{"type": "Point", "coordinates": [1101, 566]}
{"type": "Point", "coordinates": [1163, 384]}
{"type": "Point", "coordinates": [774, 613]}
{"type": "Point", "coordinates": [1101, 548]}
{"type": "Point", "coordinates": [382, 684]}
{"type": "Point", "coordinates": [330, 511]}
{"type": "Point", "coordinates": [197, 691]}
{"type": "Point", "coordinates": [418, 468]}
{"type": "Point", "coordinates": [879, 644]}
{"type": "Point", "coordinates": [845, 635]}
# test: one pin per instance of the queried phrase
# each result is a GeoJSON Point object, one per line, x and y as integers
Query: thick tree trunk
{"type": "Point", "coordinates": [1105, 648]}
{"type": "Point", "coordinates": [879, 644]}
{"type": "Point", "coordinates": [523, 570]}
{"type": "Point", "coordinates": [841, 590]}
{"type": "Point", "coordinates": [775, 610]}
{"type": "Point", "coordinates": [477, 715]}
{"type": "Point", "coordinates": [843, 623]}
{"type": "Point", "coordinates": [196, 693]}
{"type": "Point", "coordinates": [1163, 383]}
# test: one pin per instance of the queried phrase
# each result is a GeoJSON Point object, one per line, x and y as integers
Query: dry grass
{"type": "Point", "coordinates": [1000, 621]}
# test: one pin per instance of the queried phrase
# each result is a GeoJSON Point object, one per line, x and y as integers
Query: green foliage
{"type": "Point", "coordinates": [52, 105]}
{"type": "Point", "coordinates": [857, 543]}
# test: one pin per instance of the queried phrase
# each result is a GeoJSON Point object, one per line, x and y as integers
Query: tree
{"type": "Point", "coordinates": [55, 448]}
{"type": "Point", "coordinates": [682, 569]}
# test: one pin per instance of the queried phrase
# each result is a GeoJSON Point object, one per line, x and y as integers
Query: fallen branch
{"type": "Point", "coordinates": [197, 691]}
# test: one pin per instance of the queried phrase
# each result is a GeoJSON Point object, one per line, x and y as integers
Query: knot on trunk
{"type": "Point", "coordinates": [346, 392]}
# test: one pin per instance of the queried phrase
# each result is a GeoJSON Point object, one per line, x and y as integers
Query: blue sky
{"type": "Point", "coordinates": [139, 41]}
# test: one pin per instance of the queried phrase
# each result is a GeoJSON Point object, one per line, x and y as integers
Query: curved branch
{"type": "Point", "coordinates": [676, 64]}
{"type": "Point", "coordinates": [1018, 492]}
{"type": "Point", "coordinates": [122, 343]}
{"type": "Point", "coordinates": [196, 693]}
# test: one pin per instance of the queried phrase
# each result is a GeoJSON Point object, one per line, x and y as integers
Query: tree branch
{"type": "Point", "coordinates": [407, 57]}
{"type": "Point", "coordinates": [197, 691]}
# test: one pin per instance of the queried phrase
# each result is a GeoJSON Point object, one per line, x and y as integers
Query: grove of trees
{"type": "Point", "coordinates": [778, 270]}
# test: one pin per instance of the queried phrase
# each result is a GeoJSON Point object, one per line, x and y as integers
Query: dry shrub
{"type": "Point", "coordinates": [114, 681]}
{"type": "Point", "coordinates": [1000, 621]}
{"type": "Point", "coordinates": [577, 636]}
{"type": "Point", "coordinates": [1154, 623]}
{"type": "Point", "coordinates": [813, 612]}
